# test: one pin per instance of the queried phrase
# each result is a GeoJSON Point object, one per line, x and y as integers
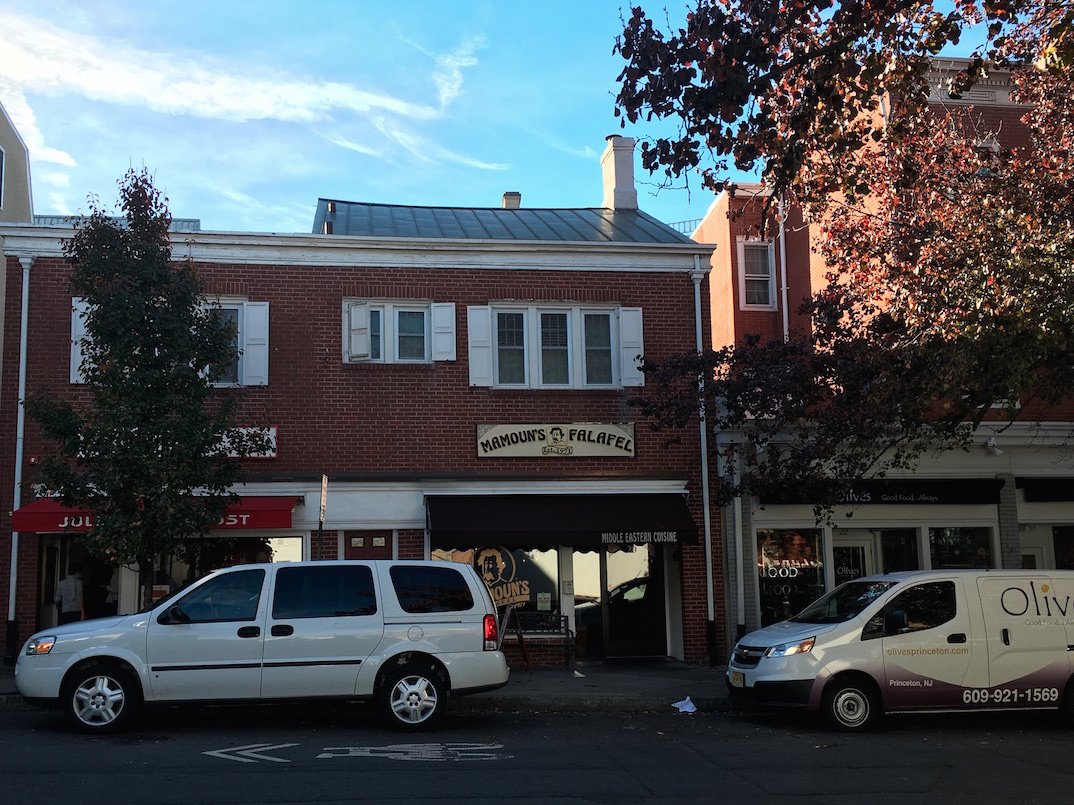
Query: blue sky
{"type": "Point", "coordinates": [247, 112]}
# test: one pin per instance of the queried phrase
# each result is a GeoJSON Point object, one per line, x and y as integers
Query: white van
{"type": "Point", "coordinates": [404, 635]}
{"type": "Point", "coordinates": [918, 641]}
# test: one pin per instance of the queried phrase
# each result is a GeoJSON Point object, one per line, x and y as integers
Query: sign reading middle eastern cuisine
{"type": "Point", "coordinates": [585, 439]}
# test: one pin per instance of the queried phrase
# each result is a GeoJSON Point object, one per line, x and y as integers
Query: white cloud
{"type": "Point", "coordinates": [449, 80]}
{"type": "Point", "coordinates": [22, 117]}
{"type": "Point", "coordinates": [57, 179]}
{"type": "Point", "coordinates": [59, 204]}
{"type": "Point", "coordinates": [290, 217]}
{"type": "Point", "coordinates": [350, 145]}
{"type": "Point", "coordinates": [42, 58]}
{"type": "Point", "coordinates": [429, 152]}
{"type": "Point", "coordinates": [38, 57]}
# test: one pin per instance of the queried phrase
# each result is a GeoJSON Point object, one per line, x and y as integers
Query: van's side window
{"type": "Point", "coordinates": [229, 597]}
{"type": "Point", "coordinates": [925, 606]}
{"type": "Point", "coordinates": [431, 589]}
{"type": "Point", "coordinates": [331, 591]}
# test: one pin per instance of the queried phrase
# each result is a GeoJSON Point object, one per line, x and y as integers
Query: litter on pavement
{"type": "Point", "coordinates": [686, 706]}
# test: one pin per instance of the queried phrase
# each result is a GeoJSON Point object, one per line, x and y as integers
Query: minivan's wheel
{"type": "Point", "coordinates": [413, 698]}
{"type": "Point", "coordinates": [101, 698]}
{"type": "Point", "coordinates": [849, 705]}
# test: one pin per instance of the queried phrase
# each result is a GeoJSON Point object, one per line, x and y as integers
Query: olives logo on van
{"type": "Point", "coordinates": [497, 568]}
{"type": "Point", "coordinates": [1016, 602]}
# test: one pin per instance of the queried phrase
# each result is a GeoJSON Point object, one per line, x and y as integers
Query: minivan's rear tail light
{"type": "Point", "coordinates": [492, 633]}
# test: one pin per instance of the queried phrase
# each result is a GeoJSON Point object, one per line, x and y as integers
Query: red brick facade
{"type": "Point", "coordinates": [366, 424]}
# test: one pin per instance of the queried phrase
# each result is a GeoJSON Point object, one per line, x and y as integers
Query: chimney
{"type": "Point", "coordinates": [617, 164]}
{"type": "Point", "coordinates": [512, 200]}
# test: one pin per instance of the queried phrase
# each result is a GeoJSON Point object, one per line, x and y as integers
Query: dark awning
{"type": "Point", "coordinates": [899, 491]}
{"type": "Point", "coordinates": [544, 521]}
{"type": "Point", "coordinates": [48, 515]}
{"type": "Point", "coordinates": [1047, 490]}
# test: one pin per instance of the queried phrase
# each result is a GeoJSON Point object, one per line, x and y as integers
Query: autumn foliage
{"type": "Point", "coordinates": [949, 243]}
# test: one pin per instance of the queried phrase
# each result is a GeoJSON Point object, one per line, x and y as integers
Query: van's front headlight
{"type": "Point", "coordinates": [787, 649]}
{"type": "Point", "coordinates": [40, 645]}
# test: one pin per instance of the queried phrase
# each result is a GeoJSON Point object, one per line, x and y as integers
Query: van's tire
{"type": "Point", "coordinates": [101, 698]}
{"type": "Point", "coordinates": [413, 696]}
{"type": "Point", "coordinates": [850, 705]}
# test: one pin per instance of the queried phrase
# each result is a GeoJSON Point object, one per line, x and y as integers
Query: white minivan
{"type": "Point", "coordinates": [404, 635]}
{"type": "Point", "coordinates": [918, 641]}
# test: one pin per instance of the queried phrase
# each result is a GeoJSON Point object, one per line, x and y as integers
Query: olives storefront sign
{"type": "Point", "coordinates": [585, 439]}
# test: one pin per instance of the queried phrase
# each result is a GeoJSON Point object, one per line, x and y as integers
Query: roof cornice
{"type": "Point", "coordinates": [351, 251]}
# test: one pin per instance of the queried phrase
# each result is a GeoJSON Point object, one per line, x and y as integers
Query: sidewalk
{"type": "Point", "coordinates": [617, 686]}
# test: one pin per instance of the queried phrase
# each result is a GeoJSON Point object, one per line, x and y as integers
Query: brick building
{"type": "Point", "coordinates": [460, 377]}
{"type": "Point", "coordinates": [1008, 502]}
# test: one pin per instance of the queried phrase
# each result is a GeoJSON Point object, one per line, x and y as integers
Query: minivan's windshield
{"type": "Point", "coordinates": [843, 603]}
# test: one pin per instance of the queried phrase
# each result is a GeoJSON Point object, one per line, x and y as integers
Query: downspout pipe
{"type": "Point", "coordinates": [710, 624]}
{"type": "Point", "coordinates": [782, 213]}
{"type": "Point", "coordinates": [12, 637]}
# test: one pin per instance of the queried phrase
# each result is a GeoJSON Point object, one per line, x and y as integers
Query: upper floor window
{"type": "Point", "coordinates": [757, 277]}
{"type": "Point", "coordinates": [249, 367]}
{"type": "Point", "coordinates": [554, 347]}
{"type": "Point", "coordinates": [1, 178]}
{"type": "Point", "coordinates": [398, 332]}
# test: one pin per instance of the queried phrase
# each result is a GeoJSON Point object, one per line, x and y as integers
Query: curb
{"type": "Point", "coordinates": [13, 702]}
{"type": "Point", "coordinates": [620, 704]}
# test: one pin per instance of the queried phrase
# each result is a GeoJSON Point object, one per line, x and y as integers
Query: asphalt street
{"type": "Point", "coordinates": [340, 753]}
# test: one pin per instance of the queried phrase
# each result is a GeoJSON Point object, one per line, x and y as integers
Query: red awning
{"type": "Point", "coordinates": [48, 515]}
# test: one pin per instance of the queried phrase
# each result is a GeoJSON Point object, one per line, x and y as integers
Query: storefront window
{"type": "Point", "coordinates": [960, 547]}
{"type": "Point", "coordinates": [528, 579]}
{"type": "Point", "coordinates": [790, 572]}
{"type": "Point", "coordinates": [203, 555]}
{"type": "Point", "coordinates": [1063, 542]}
{"type": "Point", "coordinates": [898, 546]}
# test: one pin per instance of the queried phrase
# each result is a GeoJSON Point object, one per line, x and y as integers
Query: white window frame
{"type": "Point", "coordinates": [3, 174]}
{"type": "Point", "coordinates": [622, 351]}
{"type": "Point", "coordinates": [252, 325]}
{"type": "Point", "coordinates": [571, 358]}
{"type": "Point", "coordinates": [251, 340]}
{"type": "Point", "coordinates": [747, 243]}
{"type": "Point", "coordinates": [438, 334]}
{"type": "Point", "coordinates": [527, 341]}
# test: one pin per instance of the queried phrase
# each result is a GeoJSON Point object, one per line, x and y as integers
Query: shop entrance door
{"type": "Point", "coordinates": [853, 559]}
{"type": "Point", "coordinates": [632, 606]}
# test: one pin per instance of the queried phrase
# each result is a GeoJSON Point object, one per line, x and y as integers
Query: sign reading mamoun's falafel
{"type": "Point", "coordinates": [584, 439]}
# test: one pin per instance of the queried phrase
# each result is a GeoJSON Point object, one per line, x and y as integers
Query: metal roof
{"type": "Point", "coordinates": [177, 224]}
{"type": "Point", "coordinates": [585, 225]}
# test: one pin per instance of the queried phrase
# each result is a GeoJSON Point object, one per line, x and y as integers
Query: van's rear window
{"type": "Point", "coordinates": [431, 589]}
{"type": "Point", "coordinates": [843, 603]}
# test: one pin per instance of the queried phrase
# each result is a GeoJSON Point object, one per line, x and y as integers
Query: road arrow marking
{"type": "Point", "coordinates": [251, 753]}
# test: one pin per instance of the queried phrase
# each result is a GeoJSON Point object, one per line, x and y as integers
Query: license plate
{"type": "Point", "coordinates": [738, 679]}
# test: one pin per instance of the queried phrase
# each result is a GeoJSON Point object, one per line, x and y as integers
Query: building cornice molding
{"type": "Point", "coordinates": [348, 251]}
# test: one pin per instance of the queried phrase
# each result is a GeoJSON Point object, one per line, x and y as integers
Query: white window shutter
{"type": "Point", "coordinates": [255, 344]}
{"type": "Point", "coordinates": [631, 346]}
{"type": "Point", "coordinates": [79, 308]}
{"type": "Point", "coordinates": [358, 343]}
{"type": "Point", "coordinates": [479, 341]}
{"type": "Point", "coordinates": [444, 331]}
